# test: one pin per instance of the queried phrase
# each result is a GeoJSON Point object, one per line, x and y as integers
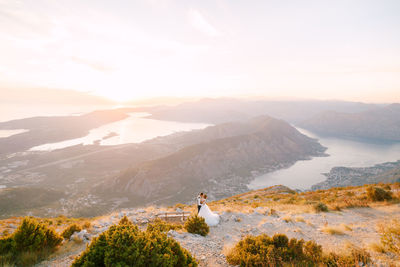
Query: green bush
{"type": "Point", "coordinates": [35, 237]}
{"type": "Point", "coordinates": [30, 242]}
{"type": "Point", "coordinates": [162, 226]}
{"type": "Point", "coordinates": [197, 225]}
{"type": "Point", "coordinates": [125, 220]}
{"type": "Point", "coordinates": [378, 194]}
{"type": "Point", "coordinates": [70, 230]}
{"type": "Point", "coordinates": [390, 236]}
{"type": "Point", "coordinates": [125, 245]}
{"type": "Point", "coordinates": [263, 250]}
{"type": "Point", "coordinates": [278, 250]}
{"type": "Point", "coordinates": [320, 207]}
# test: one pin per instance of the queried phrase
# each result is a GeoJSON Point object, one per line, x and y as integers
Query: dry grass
{"type": "Point", "coordinates": [287, 219]}
{"type": "Point", "coordinates": [332, 230]}
{"type": "Point", "coordinates": [309, 223]}
{"type": "Point", "coordinates": [377, 247]}
{"type": "Point", "coordinates": [299, 219]}
{"type": "Point", "coordinates": [346, 227]}
{"type": "Point", "coordinates": [286, 200]}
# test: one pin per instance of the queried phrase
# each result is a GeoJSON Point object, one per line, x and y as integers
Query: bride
{"type": "Point", "coordinates": [210, 217]}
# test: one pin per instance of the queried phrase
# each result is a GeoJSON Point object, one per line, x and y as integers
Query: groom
{"type": "Point", "coordinates": [199, 199]}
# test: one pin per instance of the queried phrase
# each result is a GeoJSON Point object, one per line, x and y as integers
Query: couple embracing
{"type": "Point", "coordinates": [204, 211]}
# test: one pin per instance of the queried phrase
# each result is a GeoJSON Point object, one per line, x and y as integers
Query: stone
{"type": "Point", "coordinates": [82, 235]}
{"type": "Point", "coordinates": [179, 210]}
{"type": "Point", "coordinates": [141, 211]}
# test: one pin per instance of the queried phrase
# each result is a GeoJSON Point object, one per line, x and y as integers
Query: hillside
{"type": "Point", "coordinates": [222, 163]}
{"type": "Point", "coordinates": [388, 172]}
{"type": "Point", "coordinates": [278, 209]}
{"type": "Point", "coordinates": [380, 124]}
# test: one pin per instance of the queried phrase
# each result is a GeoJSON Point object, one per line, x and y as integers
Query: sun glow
{"type": "Point", "coordinates": [131, 50]}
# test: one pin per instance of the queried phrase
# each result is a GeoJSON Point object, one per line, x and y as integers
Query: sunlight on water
{"type": "Point", "coordinates": [134, 129]}
{"type": "Point", "coordinates": [8, 133]}
{"type": "Point", "coordinates": [342, 152]}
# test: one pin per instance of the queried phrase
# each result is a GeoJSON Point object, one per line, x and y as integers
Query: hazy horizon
{"type": "Point", "coordinates": [124, 50]}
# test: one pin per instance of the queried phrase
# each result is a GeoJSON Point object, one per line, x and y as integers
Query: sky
{"type": "Point", "coordinates": [136, 49]}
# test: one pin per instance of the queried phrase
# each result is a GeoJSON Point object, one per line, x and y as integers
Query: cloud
{"type": "Point", "coordinates": [200, 23]}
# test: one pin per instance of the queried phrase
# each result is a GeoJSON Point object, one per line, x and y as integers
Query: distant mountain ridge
{"type": "Point", "coordinates": [381, 123]}
{"type": "Point", "coordinates": [222, 163]}
{"type": "Point", "coordinates": [220, 110]}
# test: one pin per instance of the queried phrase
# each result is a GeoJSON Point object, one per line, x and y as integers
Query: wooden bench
{"type": "Point", "coordinates": [172, 215]}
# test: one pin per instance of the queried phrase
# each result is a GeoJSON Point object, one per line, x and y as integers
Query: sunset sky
{"type": "Point", "coordinates": [134, 49]}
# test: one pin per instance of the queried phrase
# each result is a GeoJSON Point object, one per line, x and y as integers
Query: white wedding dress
{"type": "Point", "coordinates": [210, 217]}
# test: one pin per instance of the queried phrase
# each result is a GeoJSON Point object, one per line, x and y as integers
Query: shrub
{"type": "Point", "coordinates": [70, 230]}
{"type": "Point", "coordinates": [125, 220]}
{"type": "Point", "coordinates": [390, 236]}
{"type": "Point", "coordinates": [162, 226]}
{"type": "Point", "coordinates": [278, 250]}
{"type": "Point", "coordinates": [313, 251]}
{"type": "Point", "coordinates": [378, 194]}
{"type": "Point", "coordinates": [320, 207]}
{"type": "Point", "coordinates": [355, 257]}
{"type": "Point", "coordinates": [263, 250]}
{"type": "Point", "coordinates": [86, 225]}
{"type": "Point", "coordinates": [125, 245]}
{"type": "Point", "coordinates": [31, 242]}
{"type": "Point", "coordinates": [35, 237]}
{"type": "Point", "coordinates": [197, 225]}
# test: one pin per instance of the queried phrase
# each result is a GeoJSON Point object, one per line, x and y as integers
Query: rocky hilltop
{"type": "Point", "coordinates": [350, 222]}
{"type": "Point", "coordinates": [379, 123]}
{"type": "Point", "coordinates": [388, 172]}
{"type": "Point", "coordinates": [219, 159]}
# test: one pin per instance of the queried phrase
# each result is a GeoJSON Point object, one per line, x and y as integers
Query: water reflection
{"type": "Point", "coordinates": [342, 152]}
{"type": "Point", "coordinates": [134, 129]}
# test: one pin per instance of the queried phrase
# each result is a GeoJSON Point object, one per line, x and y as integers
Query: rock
{"type": "Point", "coordinates": [203, 258]}
{"type": "Point", "coordinates": [13, 226]}
{"type": "Point", "coordinates": [179, 210]}
{"type": "Point", "coordinates": [82, 235]}
{"type": "Point", "coordinates": [227, 237]}
{"type": "Point", "coordinates": [235, 218]}
{"type": "Point", "coordinates": [121, 215]}
{"type": "Point", "coordinates": [141, 211]}
{"type": "Point", "coordinates": [144, 220]}
{"type": "Point", "coordinates": [172, 233]}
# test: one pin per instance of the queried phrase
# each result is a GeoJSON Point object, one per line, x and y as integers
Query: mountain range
{"type": "Point", "coordinates": [381, 123]}
{"type": "Point", "coordinates": [220, 159]}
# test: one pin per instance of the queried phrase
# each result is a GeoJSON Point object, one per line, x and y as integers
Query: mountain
{"type": "Point", "coordinates": [220, 110]}
{"type": "Point", "coordinates": [388, 172]}
{"type": "Point", "coordinates": [380, 123]}
{"type": "Point", "coordinates": [222, 160]}
{"type": "Point", "coordinates": [43, 130]}
{"type": "Point", "coordinates": [47, 96]}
